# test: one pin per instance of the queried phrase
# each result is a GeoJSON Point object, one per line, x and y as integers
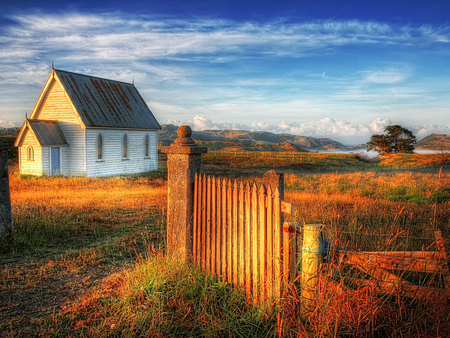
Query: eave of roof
{"type": "Point", "coordinates": [47, 132]}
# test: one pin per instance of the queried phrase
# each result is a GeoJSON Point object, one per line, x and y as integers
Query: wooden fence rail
{"type": "Point", "coordinates": [238, 235]}
{"type": "Point", "coordinates": [387, 269]}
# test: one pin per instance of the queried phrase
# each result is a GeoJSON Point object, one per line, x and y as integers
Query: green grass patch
{"type": "Point", "coordinates": [161, 297]}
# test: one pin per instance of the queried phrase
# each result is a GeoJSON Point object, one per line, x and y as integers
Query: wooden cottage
{"type": "Point", "coordinates": [88, 126]}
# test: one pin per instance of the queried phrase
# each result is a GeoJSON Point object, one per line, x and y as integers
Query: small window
{"type": "Point", "coordinates": [100, 147]}
{"type": "Point", "coordinates": [147, 145]}
{"type": "Point", "coordinates": [30, 153]}
{"type": "Point", "coordinates": [125, 146]}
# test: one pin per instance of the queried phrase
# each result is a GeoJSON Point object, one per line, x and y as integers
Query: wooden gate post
{"type": "Point", "coordinates": [312, 257]}
{"type": "Point", "coordinates": [183, 161]}
{"type": "Point", "coordinates": [6, 220]}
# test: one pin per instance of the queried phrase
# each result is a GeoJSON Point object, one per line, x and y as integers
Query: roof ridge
{"type": "Point", "coordinates": [95, 77]}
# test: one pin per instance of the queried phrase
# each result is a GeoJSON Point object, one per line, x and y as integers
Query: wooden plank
{"type": "Point", "coordinates": [213, 226]}
{"type": "Point", "coordinates": [254, 257]}
{"type": "Point", "coordinates": [248, 241]}
{"type": "Point", "coordinates": [270, 236]}
{"type": "Point", "coordinates": [262, 241]}
{"type": "Point", "coordinates": [203, 223]}
{"type": "Point", "coordinates": [195, 231]}
{"type": "Point", "coordinates": [224, 260]}
{"type": "Point", "coordinates": [277, 231]}
{"type": "Point", "coordinates": [289, 251]}
{"type": "Point", "coordinates": [444, 257]}
{"type": "Point", "coordinates": [412, 291]}
{"type": "Point", "coordinates": [375, 271]}
{"type": "Point", "coordinates": [208, 224]}
{"type": "Point", "coordinates": [407, 254]}
{"type": "Point", "coordinates": [235, 232]}
{"type": "Point", "coordinates": [241, 235]}
{"type": "Point", "coordinates": [230, 232]}
{"type": "Point", "coordinates": [287, 207]}
{"type": "Point", "coordinates": [219, 227]}
{"type": "Point", "coordinates": [392, 262]}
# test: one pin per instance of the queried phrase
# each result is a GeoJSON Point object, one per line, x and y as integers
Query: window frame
{"type": "Point", "coordinates": [100, 148]}
{"type": "Point", "coordinates": [147, 146]}
{"type": "Point", "coordinates": [125, 147]}
{"type": "Point", "coordinates": [30, 153]}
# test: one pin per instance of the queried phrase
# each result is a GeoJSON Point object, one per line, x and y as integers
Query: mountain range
{"type": "Point", "coordinates": [435, 142]}
{"type": "Point", "coordinates": [252, 140]}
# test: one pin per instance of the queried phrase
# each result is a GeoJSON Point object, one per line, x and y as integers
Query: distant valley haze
{"type": "Point", "coordinates": [342, 70]}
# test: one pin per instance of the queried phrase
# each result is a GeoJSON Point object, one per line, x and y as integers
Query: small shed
{"type": "Point", "coordinates": [88, 126]}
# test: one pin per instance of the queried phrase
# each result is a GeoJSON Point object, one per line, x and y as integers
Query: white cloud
{"type": "Point", "coordinates": [422, 131]}
{"type": "Point", "coordinates": [342, 131]}
{"type": "Point", "coordinates": [377, 126]}
{"type": "Point", "coordinates": [7, 124]}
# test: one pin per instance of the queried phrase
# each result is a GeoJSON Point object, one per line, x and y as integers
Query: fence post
{"type": "Point", "coordinates": [312, 257]}
{"type": "Point", "coordinates": [6, 220]}
{"type": "Point", "coordinates": [183, 161]}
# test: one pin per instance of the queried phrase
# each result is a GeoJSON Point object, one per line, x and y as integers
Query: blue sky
{"type": "Point", "coordinates": [338, 69]}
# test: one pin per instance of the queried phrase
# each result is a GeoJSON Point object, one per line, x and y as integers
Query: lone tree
{"type": "Point", "coordinates": [395, 140]}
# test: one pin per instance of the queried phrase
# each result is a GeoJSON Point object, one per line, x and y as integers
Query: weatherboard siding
{"type": "Point", "coordinates": [30, 167]}
{"type": "Point", "coordinates": [112, 162]}
{"type": "Point", "coordinates": [45, 161]}
{"type": "Point", "coordinates": [57, 106]}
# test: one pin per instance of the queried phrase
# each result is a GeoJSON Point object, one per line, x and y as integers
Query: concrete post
{"type": "Point", "coordinates": [275, 179]}
{"type": "Point", "coordinates": [183, 161]}
{"type": "Point", "coordinates": [6, 220]}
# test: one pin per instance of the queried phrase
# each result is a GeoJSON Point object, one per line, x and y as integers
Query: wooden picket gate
{"type": "Point", "coordinates": [238, 234]}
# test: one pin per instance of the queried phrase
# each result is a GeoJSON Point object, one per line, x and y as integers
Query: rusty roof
{"type": "Point", "coordinates": [103, 103]}
{"type": "Point", "coordinates": [47, 132]}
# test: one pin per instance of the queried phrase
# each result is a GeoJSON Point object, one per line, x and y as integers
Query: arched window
{"type": "Point", "coordinates": [147, 146]}
{"type": "Point", "coordinates": [100, 147]}
{"type": "Point", "coordinates": [30, 153]}
{"type": "Point", "coordinates": [125, 146]}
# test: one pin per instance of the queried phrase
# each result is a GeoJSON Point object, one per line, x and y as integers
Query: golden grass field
{"type": "Point", "coordinates": [87, 256]}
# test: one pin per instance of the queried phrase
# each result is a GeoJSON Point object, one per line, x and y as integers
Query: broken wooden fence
{"type": "Point", "coordinates": [238, 234]}
{"type": "Point", "coordinates": [387, 270]}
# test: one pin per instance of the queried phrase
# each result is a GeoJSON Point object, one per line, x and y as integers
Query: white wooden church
{"type": "Point", "coordinates": [88, 126]}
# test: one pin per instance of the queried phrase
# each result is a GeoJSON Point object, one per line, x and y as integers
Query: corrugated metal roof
{"type": "Point", "coordinates": [107, 103]}
{"type": "Point", "coordinates": [48, 132]}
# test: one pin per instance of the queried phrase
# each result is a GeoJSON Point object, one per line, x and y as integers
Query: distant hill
{"type": "Point", "coordinates": [434, 141]}
{"type": "Point", "coordinates": [251, 140]}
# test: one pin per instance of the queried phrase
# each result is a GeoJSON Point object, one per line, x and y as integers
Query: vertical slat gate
{"type": "Point", "coordinates": [224, 230]}
{"type": "Point", "coordinates": [248, 241]}
{"type": "Point", "coordinates": [235, 237]}
{"type": "Point", "coordinates": [230, 232]}
{"type": "Point", "coordinates": [203, 223]}
{"type": "Point", "coordinates": [270, 272]}
{"type": "Point", "coordinates": [241, 235]}
{"type": "Point", "coordinates": [254, 226]}
{"type": "Point", "coordinates": [238, 235]}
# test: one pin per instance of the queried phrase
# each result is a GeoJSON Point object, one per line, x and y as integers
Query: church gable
{"type": "Point", "coordinates": [55, 105]}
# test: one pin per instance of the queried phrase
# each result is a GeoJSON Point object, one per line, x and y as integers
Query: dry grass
{"type": "Point", "coordinates": [84, 261]}
{"type": "Point", "coordinates": [70, 233]}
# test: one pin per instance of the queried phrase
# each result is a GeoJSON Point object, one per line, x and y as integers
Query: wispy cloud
{"type": "Point", "coordinates": [386, 76]}
{"type": "Point", "coordinates": [120, 37]}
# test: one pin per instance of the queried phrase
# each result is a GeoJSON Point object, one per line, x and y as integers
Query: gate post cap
{"type": "Point", "coordinates": [184, 144]}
